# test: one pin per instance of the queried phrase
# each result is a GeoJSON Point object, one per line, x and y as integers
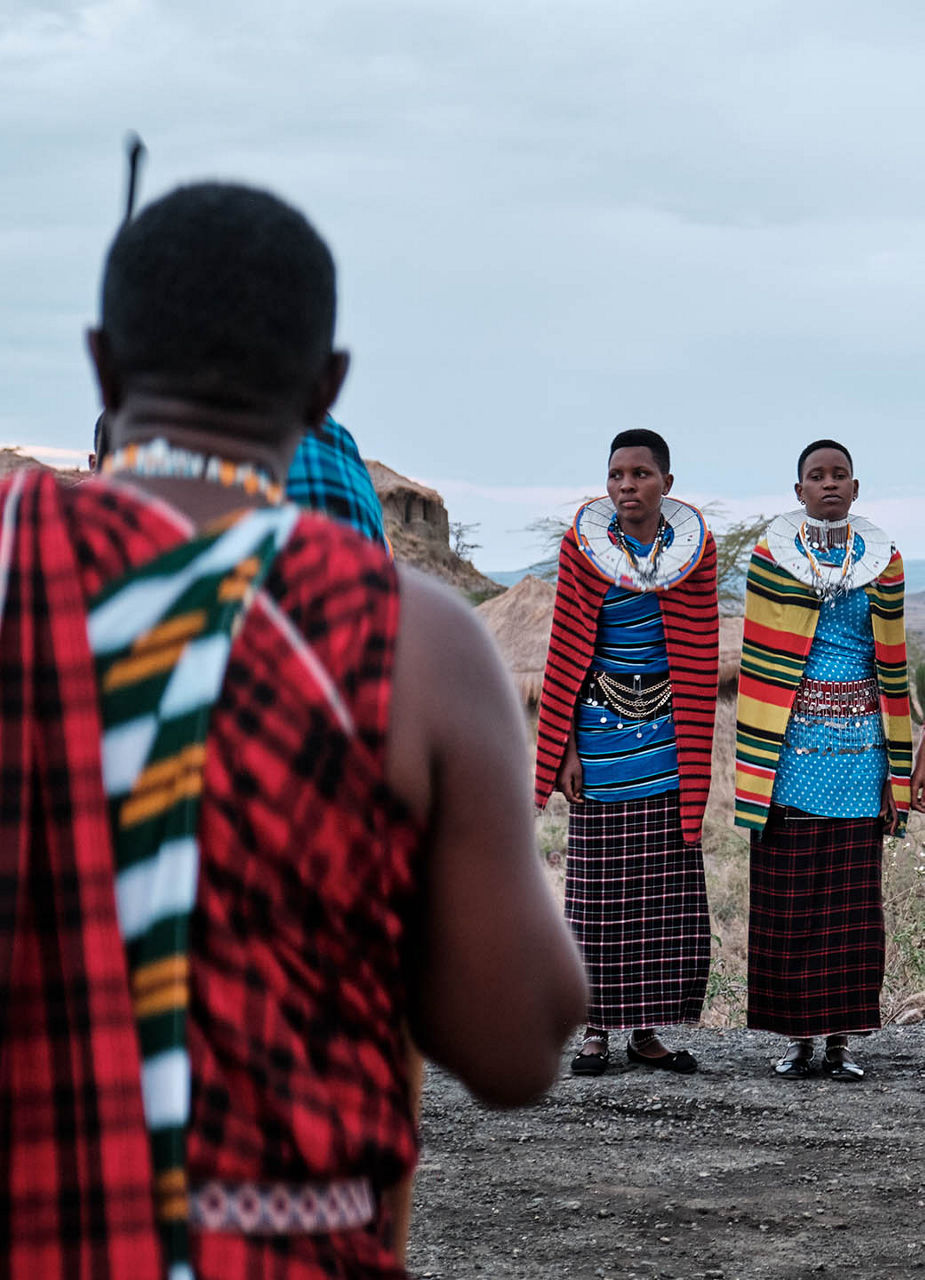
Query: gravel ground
{"type": "Point", "coordinates": [730, 1174]}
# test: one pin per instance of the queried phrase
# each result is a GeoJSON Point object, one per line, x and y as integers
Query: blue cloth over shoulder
{"type": "Point", "coordinates": [328, 474]}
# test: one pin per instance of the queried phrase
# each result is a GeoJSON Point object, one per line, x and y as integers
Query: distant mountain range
{"type": "Point", "coordinates": [507, 577]}
{"type": "Point", "coordinates": [915, 576]}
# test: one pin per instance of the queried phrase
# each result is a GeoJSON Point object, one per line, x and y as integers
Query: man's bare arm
{"type": "Point", "coordinates": [498, 982]}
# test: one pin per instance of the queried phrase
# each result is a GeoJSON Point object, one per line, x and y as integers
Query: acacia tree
{"type": "Point", "coordinates": [461, 539]}
{"type": "Point", "coordinates": [550, 530]}
{"type": "Point", "coordinates": [734, 548]}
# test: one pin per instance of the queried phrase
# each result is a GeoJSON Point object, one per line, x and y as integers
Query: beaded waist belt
{"type": "Point", "coordinates": [282, 1208]}
{"type": "Point", "coordinates": [837, 698]}
{"type": "Point", "coordinates": [644, 699]}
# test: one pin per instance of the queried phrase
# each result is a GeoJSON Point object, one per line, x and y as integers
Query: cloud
{"type": "Point", "coordinates": [551, 221]}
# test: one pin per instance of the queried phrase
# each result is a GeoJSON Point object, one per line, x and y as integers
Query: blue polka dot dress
{"type": "Point", "coordinates": [835, 766]}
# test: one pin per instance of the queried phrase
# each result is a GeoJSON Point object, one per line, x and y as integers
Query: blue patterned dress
{"type": "Point", "coordinates": [627, 760]}
{"type": "Point", "coordinates": [835, 767]}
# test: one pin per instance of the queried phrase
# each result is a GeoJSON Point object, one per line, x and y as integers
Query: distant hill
{"type": "Point", "coordinates": [915, 579]}
{"type": "Point", "coordinates": [415, 520]}
{"type": "Point", "coordinates": [915, 576]}
{"type": "Point", "coordinates": [508, 577]}
{"type": "Point", "coordinates": [915, 614]}
{"type": "Point", "coordinates": [14, 460]}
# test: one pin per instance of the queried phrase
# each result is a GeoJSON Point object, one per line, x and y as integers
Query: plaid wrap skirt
{"type": "Point", "coordinates": [815, 933]}
{"type": "Point", "coordinates": [636, 899]}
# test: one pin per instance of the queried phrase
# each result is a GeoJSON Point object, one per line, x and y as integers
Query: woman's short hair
{"type": "Point", "coordinates": [822, 444]}
{"type": "Point", "coordinates": [640, 438]}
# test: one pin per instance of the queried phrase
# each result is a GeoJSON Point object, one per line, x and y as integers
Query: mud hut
{"type": "Point", "coordinates": [520, 621]}
{"type": "Point", "coordinates": [409, 506]}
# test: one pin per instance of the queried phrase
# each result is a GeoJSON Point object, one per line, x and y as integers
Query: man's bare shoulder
{"type": "Point", "coordinates": [440, 634]}
{"type": "Point", "coordinates": [450, 688]}
{"type": "Point", "coordinates": [423, 591]}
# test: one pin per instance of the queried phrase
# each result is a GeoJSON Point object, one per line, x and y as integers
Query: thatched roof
{"type": "Point", "coordinates": [520, 621]}
{"type": "Point", "coordinates": [387, 482]}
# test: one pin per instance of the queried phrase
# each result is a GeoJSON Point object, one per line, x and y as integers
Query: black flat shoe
{"type": "Point", "coordinates": [682, 1062]}
{"type": "Point", "coordinates": [838, 1064]}
{"type": "Point", "coordinates": [798, 1062]}
{"type": "Point", "coordinates": [591, 1064]}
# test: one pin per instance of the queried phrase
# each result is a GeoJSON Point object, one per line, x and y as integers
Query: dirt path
{"type": "Point", "coordinates": [640, 1175]}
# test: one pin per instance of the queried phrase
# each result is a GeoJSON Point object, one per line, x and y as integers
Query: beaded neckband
{"type": "Point", "coordinates": [157, 458]}
{"type": "Point", "coordinates": [824, 587]}
{"type": "Point", "coordinates": [644, 572]}
{"type": "Point", "coordinates": [675, 554]}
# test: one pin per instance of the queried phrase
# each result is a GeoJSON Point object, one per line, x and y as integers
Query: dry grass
{"type": "Point", "coordinates": [725, 860]}
{"type": "Point", "coordinates": [725, 851]}
{"type": "Point", "coordinates": [903, 997]}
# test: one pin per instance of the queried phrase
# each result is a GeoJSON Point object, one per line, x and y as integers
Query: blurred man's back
{"type": "Point", "coordinates": [264, 801]}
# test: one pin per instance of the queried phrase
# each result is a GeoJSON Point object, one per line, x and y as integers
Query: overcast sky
{"type": "Point", "coordinates": [552, 221]}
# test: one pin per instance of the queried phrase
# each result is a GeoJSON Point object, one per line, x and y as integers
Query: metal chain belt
{"type": "Point", "coordinates": [636, 703]}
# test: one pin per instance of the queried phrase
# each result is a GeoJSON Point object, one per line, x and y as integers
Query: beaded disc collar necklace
{"type": "Point", "coordinates": [798, 544]}
{"type": "Point", "coordinates": [160, 459]}
{"type": "Point", "coordinates": [675, 553]}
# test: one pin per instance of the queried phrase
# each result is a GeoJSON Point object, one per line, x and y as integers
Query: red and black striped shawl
{"type": "Point", "coordinates": [75, 1164]}
{"type": "Point", "coordinates": [691, 620]}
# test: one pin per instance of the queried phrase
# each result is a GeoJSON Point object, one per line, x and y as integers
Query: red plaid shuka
{"type": "Point", "coordinates": [307, 872]}
{"type": "Point", "coordinates": [75, 1169]}
{"type": "Point", "coordinates": [691, 621]}
{"type": "Point", "coordinates": [636, 900]}
{"type": "Point", "coordinates": [815, 925]}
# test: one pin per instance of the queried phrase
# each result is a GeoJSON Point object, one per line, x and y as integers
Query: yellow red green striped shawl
{"type": "Point", "coordinates": [780, 622]}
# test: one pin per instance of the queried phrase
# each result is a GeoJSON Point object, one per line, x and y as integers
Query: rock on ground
{"type": "Point", "coordinates": [730, 1174]}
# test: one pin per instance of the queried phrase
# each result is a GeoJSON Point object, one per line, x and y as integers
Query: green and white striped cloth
{"type": "Point", "coordinates": [161, 638]}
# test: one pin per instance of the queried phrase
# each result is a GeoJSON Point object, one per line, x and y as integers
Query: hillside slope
{"type": "Point", "coordinates": [418, 528]}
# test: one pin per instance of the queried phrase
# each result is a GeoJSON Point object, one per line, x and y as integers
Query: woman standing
{"type": "Point", "coordinates": [823, 757]}
{"type": "Point", "coordinates": [625, 732]}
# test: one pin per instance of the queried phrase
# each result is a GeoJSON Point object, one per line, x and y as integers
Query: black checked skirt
{"type": "Point", "coordinates": [815, 933]}
{"type": "Point", "coordinates": [636, 899]}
